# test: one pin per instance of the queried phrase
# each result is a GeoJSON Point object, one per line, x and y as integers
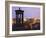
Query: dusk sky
{"type": "Point", "coordinates": [28, 12]}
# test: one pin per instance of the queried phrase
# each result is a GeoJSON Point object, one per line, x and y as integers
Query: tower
{"type": "Point", "coordinates": [19, 16]}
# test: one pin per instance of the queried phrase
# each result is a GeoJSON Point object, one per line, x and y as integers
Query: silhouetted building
{"type": "Point", "coordinates": [19, 16]}
{"type": "Point", "coordinates": [19, 20]}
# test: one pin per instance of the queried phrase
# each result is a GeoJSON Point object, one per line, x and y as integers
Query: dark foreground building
{"type": "Point", "coordinates": [19, 20]}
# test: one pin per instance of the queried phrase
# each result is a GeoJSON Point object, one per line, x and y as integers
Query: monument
{"type": "Point", "coordinates": [19, 17]}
